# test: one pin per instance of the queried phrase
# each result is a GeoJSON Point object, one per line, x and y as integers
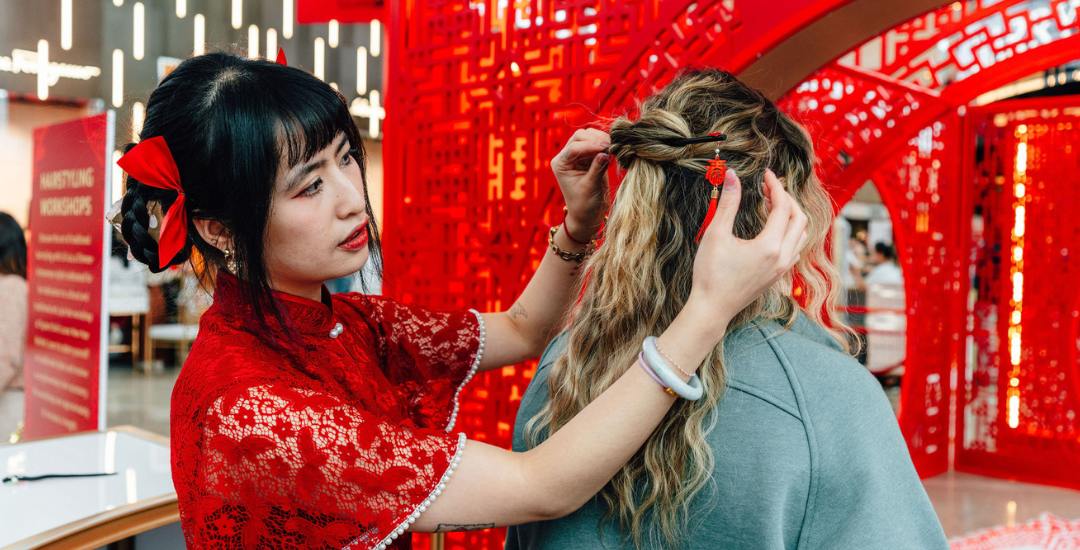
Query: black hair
{"type": "Point", "coordinates": [885, 250]}
{"type": "Point", "coordinates": [228, 122]}
{"type": "Point", "coordinates": [12, 247]}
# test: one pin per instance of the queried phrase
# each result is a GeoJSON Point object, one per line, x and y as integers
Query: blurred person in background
{"type": "Point", "coordinates": [884, 270]}
{"type": "Point", "coordinates": [12, 323]}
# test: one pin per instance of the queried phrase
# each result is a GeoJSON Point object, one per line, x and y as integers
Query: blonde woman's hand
{"type": "Point", "coordinates": [729, 272]}
{"type": "Point", "coordinates": [581, 170]}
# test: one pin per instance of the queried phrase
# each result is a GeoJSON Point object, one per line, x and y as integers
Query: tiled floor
{"type": "Point", "coordinates": [968, 502]}
{"type": "Point", "coordinates": [140, 399]}
{"type": "Point", "coordinates": [964, 502]}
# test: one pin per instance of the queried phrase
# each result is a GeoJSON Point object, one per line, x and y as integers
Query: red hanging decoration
{"type": "Point", "coordinates": [715, 175]}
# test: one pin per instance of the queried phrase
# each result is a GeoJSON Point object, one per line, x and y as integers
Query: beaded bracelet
{"type": "Point", "coordinates": [673, 363]}
{"type": "Point", "coordinates": [648, 369]}
{"type": "Point", "coordinates": [691, 391]}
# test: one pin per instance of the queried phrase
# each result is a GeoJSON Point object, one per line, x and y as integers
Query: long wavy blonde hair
{"type": "Point", "coordinates": [640, 279]}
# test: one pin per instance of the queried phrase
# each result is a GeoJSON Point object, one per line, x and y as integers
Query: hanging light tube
{"type": "Point", "coordinates": [181, 8]}
{"type": "Point", "coordinates": [361, 70]}
{"type": "Point", "coordinates": [1015, 339]}
{"type": "Point", "coordinates": [287, 19]}
{"type": "Point", "coordinates": [118, 78]}
{"type": "Point", "coordinates": [237, 13]}
{"type": "Point", "coordinates": [138, 116]}
{"type": "Point", "coordinates": [332, 33]}
{"type": "Point", "coordinates": [200, 34]}
{"type": "Point", "coordinates": [139, 31]}
{"type": "Point", "coordinates": [374, 119]}
{"type": "Point", "coordinates": [320, 52]}
{"type": "Point", "coordinates": [65, 24]}
{"type": "Point", "coordinates": [43, 70]}
{"type": "Point", "coordinates": [271, 44]}
{"type": "Point", "coordinates": [253, 42]}
{"type": "Point", "coordinates": [376, 38]}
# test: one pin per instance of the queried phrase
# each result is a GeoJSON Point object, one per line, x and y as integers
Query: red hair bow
{"type": "Point", "coordinates": [152, 163]}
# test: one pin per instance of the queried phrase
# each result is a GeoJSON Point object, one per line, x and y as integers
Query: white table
{"type": "Point", "coordinates": [86, 512]}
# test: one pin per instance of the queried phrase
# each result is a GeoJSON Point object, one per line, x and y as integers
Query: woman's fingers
{"type": "Point", "coordinates": [793, 235]}
{"type": "Point", "coordinates": [727, 207]}
{"type": "Point", "coordinates": [579, 155]}
{"type": "Point", "coordinates": [589, 134]}
{"type": "Point", "coordinates": [780, 214]}
{"type": "Point", "coordinates": [598, 169]}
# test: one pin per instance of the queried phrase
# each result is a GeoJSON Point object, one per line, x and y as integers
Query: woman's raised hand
{"type": "Point", "coordinates": [730, 273]}
{"type": "Point", "coordinates": [581, 169]}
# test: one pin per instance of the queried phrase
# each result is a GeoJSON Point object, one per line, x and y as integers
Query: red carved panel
{"type": "Point", "coordinates": [864, 111]}
{"type": "Point", "coordinates": [921, 190]}
{"type": "Point", "coordinates": [1021, 392]}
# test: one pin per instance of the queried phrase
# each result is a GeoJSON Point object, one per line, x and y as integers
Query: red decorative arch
{"type": "Point", "coordinates": [865, 122]}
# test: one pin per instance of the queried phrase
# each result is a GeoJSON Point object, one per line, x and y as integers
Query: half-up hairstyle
{"type": "Point", "coordinates": [640, 279]}
{"type": "Point", "coordinates": [229, 121]}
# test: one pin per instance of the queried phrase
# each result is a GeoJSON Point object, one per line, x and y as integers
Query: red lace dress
{"type": "Point", "coordinates": [343, 446]}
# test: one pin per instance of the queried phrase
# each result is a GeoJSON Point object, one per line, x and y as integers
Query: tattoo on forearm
{"type": "Point", "coordinates": [448, 527]}
{"type": "Point", "coordinates": [518, 310]}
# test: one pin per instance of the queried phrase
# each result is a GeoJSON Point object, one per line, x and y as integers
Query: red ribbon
{"type": "Point", "coordinates": [152, 164]}
{"type": "Point", "coordinates": [281, 57]}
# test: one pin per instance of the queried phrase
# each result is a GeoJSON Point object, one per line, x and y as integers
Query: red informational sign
{"type": "Point", "coordinates": [65, 336]}
{"type": "Point", "coordinates": [344, 11]}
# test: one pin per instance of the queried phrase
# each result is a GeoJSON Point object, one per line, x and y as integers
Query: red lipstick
{"type": "Point", "coordinates": [357, 239]}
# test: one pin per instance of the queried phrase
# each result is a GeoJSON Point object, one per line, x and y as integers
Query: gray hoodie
{"type": "Point", "coordinates": [808, 456]}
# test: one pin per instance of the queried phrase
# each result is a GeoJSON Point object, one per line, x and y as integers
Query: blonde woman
{"type": "Point", "coordinates": [793, 444]}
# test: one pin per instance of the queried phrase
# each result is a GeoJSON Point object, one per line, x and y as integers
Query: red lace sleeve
{"type": "Point", "coordinates": [433, 353]}
{"type": "Point", "coordinates": [304, 467]}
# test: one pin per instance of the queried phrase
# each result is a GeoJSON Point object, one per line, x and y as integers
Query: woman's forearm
{"type": "Point", "coordinates": [522, 332]}
{"type": "Point", "coordinates": [605, 435]}
{"type": "Point", "coordinates": [493, 487]}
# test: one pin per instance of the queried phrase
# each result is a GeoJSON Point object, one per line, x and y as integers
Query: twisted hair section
{"type": "Point", "coordinates": [641, 276]}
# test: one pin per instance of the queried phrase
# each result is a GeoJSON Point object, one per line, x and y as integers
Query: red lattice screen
{"type": "Point", "coordinates": [482, 93]}
{"type": "Point", "coordinates": [1022, 390]}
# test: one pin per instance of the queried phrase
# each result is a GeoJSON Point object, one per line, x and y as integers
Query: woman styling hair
{"type": "Point", "coordinates": [304, 420]}
{"type": "Point", "coordinates": [803, 450]}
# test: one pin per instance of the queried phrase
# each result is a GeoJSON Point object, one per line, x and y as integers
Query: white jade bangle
{"type": "Point", "coordinates": [692, 391]}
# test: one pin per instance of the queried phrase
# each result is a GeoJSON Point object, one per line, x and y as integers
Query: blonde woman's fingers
{"type": "Point", "coordinates": [798, 245]}
{"type": "Point", "coordinates": [796, 230]}
{"type": "Point", "coordinates": [780, 214]}
{"type": "Point", "coordinates": [728, 205]}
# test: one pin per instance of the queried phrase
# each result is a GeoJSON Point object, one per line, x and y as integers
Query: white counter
{"type": "Point", "coordinates": [89, 511]}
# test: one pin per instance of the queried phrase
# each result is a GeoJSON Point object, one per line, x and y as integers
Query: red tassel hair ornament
{"type": "Point", "coordinates": [715, 176]}
{"type": "Point", "coordinates": [280, 59]}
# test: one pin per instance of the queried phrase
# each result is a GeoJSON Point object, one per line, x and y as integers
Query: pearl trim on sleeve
{"type": "Point", "coordinates": [472, 371]}
{"type": "Point", "coordinates": [404, 526]}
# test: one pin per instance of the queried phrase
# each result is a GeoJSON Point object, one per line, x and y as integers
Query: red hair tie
{"type": "Point", "coordinates": [152, 163]}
